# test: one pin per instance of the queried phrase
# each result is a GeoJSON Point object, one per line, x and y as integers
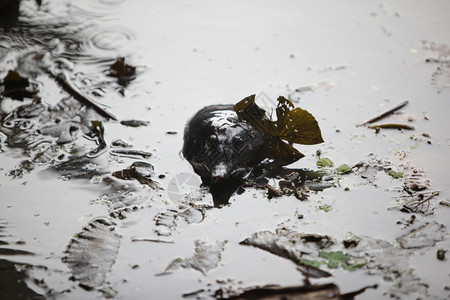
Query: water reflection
{"type": "Point", "coordinates": [13, 281]}
{"type": "Point", "coordinates": [49, 110]}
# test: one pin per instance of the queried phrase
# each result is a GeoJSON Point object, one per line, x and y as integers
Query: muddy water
{"type": "Point", "coordinates": [343, 61]}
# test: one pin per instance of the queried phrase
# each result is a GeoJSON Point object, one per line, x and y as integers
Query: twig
{"type": "Point", "coordinates": [379, 117]}
{"type": "Point", "coordinates": [74, 92]}
{"type": "Point", "coordinates": [392, 126]}
{"type": "Point", "coordinates": [131, 153]}
{"type": "Point", "coordinates": [135, 239]}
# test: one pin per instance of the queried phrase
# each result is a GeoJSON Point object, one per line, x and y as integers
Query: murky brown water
{"type": "Point", "coordinates": [343, 61]}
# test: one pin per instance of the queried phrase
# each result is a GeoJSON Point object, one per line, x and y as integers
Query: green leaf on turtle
{"type": "Point", "coordinates": [293, 125]}
{"type": "Point", "coordinates": [324, 162]}
{"type": "Point", "coordinates": [277, 149]}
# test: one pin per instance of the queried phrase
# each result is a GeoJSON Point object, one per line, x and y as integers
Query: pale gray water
{"type": "Point", "coordinates": [356, 60]}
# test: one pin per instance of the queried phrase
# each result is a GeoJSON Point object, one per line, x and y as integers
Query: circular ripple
{"type": "Point", "coordinates": [113, 39]}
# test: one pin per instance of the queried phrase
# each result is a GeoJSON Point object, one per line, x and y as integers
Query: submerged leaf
{"type": "Point", "coordinates": [324, 162]}
{"type": "Point", "coordinates": [336, 258]}
{"type": "Point", "coordinates": [395, 175]}
{"type": "Point", "coordinates": [207, 256]}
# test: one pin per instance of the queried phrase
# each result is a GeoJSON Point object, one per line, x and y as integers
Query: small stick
{"type": "Point", "coordinates": [135, 239]}
{"type": "Point", "coordinates": [379, 117]}
{"type": "Point", "coordinates": [391, 125]}
{"type": "Point", "coordinates": [61, 79]}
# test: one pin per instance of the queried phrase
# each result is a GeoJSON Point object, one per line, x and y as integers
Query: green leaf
{"type": "Point", "coordinates": [325, 208]}
{"type": "Point", "coordinates": [336, 258]}
{"type": "Point", "coordinates": [310, 262]}
{"type": "Point", "coordinates": [294, 125]}
{"type": "Point", "coordinates": [353, 266]}
{"type": "Point", "coordinates": [344, 169]}
{"type": "Point", "coordinates": [395, 175]}
{"type": "Point", "coordinates": [324, 162]}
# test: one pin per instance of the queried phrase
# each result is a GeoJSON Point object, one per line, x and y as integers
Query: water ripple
{"type": "Point", "coordinates": [112, 41]}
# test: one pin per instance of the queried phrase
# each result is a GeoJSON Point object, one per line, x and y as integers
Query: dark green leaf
{"type": "Point", "coordinates": [296, 125]}
{"type": "Point", "coordinates": [248, 111]}
{"type": "Point", "coordinates": [277, 149]}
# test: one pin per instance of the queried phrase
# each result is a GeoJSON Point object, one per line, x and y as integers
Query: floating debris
{"type": "Point", "coordinates": [140, 171]}
{"type": "Point", "coordinates": [441, 78]}
{"type": "Point", "coordinates": [424, 236]}
{"type": "Point", "coordinates": [321, 85]}
{"type": "Point", "coordinates": [440, 254]}
{"type": "Point", "coordinates": [385, 114]}
{"type": "Point", "coordinates": [206, 257]}
{"type": "Point", "coordinates": [120, 144]}
{"type": "Point", "coordinates": [392, 263]}
{"type": "Point", "coordinates": [392, 126]}
{"type": "Point", "coordinates": [168, 220]}
{"type": "Point", "coordinates": [136, 239]}
{"type": "Point", "coordinates": [131, 153]}
{"type": "Point", "coordinates": [74, 91]}
{"type": "Point", "coordinates": [17, 87]}
{"type": "Point", "coordinates": [123, 72]}
{"type": "Point", "coordinates": [292, 245]}
{"type": "Point", "coordinates": [308, 292]}
{"type": "Point", "coordinates": [96, 134]}
{"type": "Point", "coordinates": [441, 52]}
{"type": "Point", "coordinates": [92, 252]}
{"type": "Point", "coordinates": [415, 196]}
{"type": "Point", "coordinates": [134, 123]}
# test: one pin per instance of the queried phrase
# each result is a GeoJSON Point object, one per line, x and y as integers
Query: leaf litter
{"type": "Point", "coordinates": [317, 255]}
{"type": "Point", "coordinates": [91, 253]}
{"type": "Point", "coordinates": [207, 256]}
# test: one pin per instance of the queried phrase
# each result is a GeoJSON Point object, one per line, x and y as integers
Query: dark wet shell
{"type": "Point", "coordinates": [219, 145]}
